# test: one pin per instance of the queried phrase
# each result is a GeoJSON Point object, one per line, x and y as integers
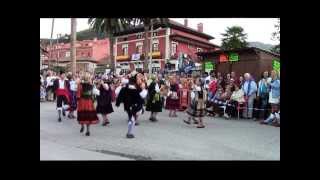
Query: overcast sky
{"type": "Point", "coordinates": [258, 29]}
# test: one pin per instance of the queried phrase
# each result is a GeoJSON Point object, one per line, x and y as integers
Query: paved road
{"type": "Point", "coordinates": [168, 139]}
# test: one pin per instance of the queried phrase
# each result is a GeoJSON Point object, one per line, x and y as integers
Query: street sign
{"type": "Point", "coordinates": [233, 57]}
{"type": "Point", "coordinates": [223, 58]}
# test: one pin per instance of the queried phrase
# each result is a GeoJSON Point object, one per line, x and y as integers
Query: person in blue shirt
{"type": "Point", "coordinates": [250, 89]}
{"type": "Point", "coordinates": [274, 99]}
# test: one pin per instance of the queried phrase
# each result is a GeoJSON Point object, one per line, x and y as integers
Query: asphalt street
{"type": "Point", "coordinates": [167, 139]}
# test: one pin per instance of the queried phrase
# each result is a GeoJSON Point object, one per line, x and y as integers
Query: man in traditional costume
{"type": "Point", "coordinates": [132, 96]}
{"type": "Point", "coordinates": [61, 88]}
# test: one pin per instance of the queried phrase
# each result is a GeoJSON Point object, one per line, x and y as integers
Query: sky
{"type": "Point", "coordinates": [258, 29]}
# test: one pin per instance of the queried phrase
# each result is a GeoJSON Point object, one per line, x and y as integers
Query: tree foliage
{"type": "Point", "coordinates": [234, 38]}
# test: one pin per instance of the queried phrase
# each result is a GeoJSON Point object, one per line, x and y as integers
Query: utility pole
{"type": "Point", "coordinates": [50, 55]}
{"type": "Point", "coordinates": [151, 44]}
{"type": "Point", "coordinates": [73, 45]}
{"type": "Point", "coordinates": [57, 48]}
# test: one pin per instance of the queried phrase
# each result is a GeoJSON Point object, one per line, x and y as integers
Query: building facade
{"type": "Point", "coordinates": [89, 53]}
{"type": "Point", "coordinates": [247, 60]}
{"type": "Point", "coordinates": [172, 45]}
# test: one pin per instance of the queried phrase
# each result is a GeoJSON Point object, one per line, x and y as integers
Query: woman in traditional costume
{"type": "Point", "coordinates": [154, 101]}
{"type": "Point", "coordinates": [87, 114]}
{"type": "Point", "coordinates": [104, 100]}
{"type": "Point", "coordinates": [197, 105]}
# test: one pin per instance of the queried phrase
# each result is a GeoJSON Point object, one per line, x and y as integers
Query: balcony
{"type": "Point", "coordinates": [122, 58]}
{"type": "Point", "coordinates": [155, 54]}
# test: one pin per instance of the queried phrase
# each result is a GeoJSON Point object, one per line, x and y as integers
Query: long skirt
{"type": "Point", "coordinates": [197, 109]}
{"type": "Point", "coordinates": [172, 104]}
{"type": "Point", "coordinates": [86, 112]}
{"type": "Point", "coordinates": [105, 108]}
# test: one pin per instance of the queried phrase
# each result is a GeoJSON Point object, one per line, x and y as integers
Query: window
{"type": "Point", "coordinates": [155, 34]}
{"type": "Point", "coordinates": [199, 49]}
{"type": "Point", "coordinates": [88, 54]}
{"type": "Point", "coordinates": [190, 46]}
{"type": "Point", "coordinates": [68, 54]}
{"type": "Point", "coordinates": [125, 49]}
{"type": "Point", "coordinates": [139, 36]}
{"type": "Point", "coordinates": [173, 48]}
{"type": "Point", "coordinates": [139, 47]}
{"type": "Point", "coordinates": [125, 39]}
{"type": "Point", "coordinates": [155, 47]}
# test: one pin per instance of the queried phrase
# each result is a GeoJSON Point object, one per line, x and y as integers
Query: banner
{"type": "Point", "coordinates": [208, 66]}
{"type": "Point", "coordinates": [135, 57]}
{"type": "Point", "coordinates": [223, 58]}
{"type": "Point", "coordinates": [233, 57]}
{"type": "Point", "coordinates": [276, 65]}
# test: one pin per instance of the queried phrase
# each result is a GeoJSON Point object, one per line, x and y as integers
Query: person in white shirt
{"type": "Point", "coordinates": [236, 98]}
{"type": "Point", "coordinates": [73, 95]}
{"type": "Point", "coordinates": [49, 87]}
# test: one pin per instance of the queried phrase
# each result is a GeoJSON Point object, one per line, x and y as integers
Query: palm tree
{"type": "Point", "coordinates": [73, 44]}
{"type": "Point", "coordinates": [110, 26]}
{"type": "Point", "coordinates": [148, 23]}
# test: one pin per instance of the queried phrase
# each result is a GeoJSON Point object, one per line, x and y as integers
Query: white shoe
{"type": "Point", "coordinates": [226, 116]}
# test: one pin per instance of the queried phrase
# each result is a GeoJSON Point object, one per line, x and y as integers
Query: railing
{"type": "Point", "coordinates": [121, 58]}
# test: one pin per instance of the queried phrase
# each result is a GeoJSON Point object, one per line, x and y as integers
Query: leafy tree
{"type": "Point", "coordinates": [276, 36]}
{"type": "Point", "coordinates": [110, 26]}
{"type": "Point", "coordinates": [234, 38]}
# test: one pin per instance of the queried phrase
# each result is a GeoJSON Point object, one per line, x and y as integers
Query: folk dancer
{"type": "Point", "coordinates": [87, 114]}
{"type": "Point", "coordinates": [197, 107]}
{"type": "Point", "coordinates": [61, 88]}
{"type": "Point", "coordinates": [132, 96]}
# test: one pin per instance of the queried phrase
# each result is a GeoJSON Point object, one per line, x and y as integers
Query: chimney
{"type": "Point", "coordinates": [200, 27]}
{"type": "Point", "coordinates": [186, 22]}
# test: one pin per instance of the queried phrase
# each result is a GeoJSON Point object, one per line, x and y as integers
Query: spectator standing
{"type": "Point", "coordinates": [249, 88]}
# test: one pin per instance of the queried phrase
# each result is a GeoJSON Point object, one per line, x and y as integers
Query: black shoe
{"type": "Point", "coordinates": [105, 123]}
{"type": "Point", "coordinates": [59, 119]}
{"type": "Point", "coordinates": [153, 119]}
{"type": "Point", "coordinates": [187, 122]}
{"type": "Point", "coordinates": [130, 136]}
{"type": "Point", "coordinates": [137, 124]}
{"type": "Point", "coordinates": [82, 129]}
{"type": "Point", "coordinates": [63, 113]}
{"type": "Point", "coordinates": [87, 133]}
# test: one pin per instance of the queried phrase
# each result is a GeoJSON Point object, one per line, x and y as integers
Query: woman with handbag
{"type": "Point", "coordinates": [172, 101]}
{"type": "Point", "coordinates": [197, 107]}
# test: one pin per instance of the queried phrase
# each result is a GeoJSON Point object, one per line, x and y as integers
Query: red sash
{"type": "Point", "coordinates": [63, 92]}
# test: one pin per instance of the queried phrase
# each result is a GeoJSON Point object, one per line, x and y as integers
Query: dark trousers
{"type": "Point", "coordinates": [263, 105]}
{"type": "Point", "coordinates": [231, 108]}
{"type": "Point", "coordinates": [61, 99]}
